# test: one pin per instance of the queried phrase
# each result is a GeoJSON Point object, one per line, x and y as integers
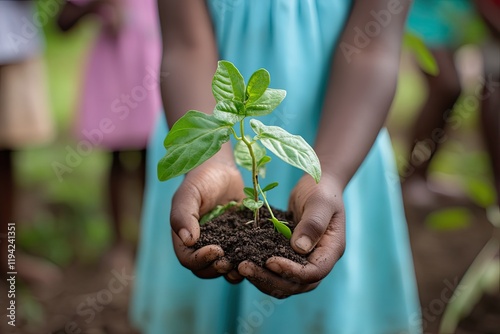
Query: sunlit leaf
{"type": "Point", "coordinates": [257, 85]}
{"type": "Point", "coordinates": [266, 103]}
{"type": "Point", "coordinates": [228, 83]}
{"type": "Point", "coordinates": [193, 139]}
{"type": "Point", "coordinates": [281, 228]}
{"type": "Point", "coordinates": [292, 149]}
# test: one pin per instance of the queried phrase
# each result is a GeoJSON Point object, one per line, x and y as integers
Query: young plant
{"type": "Point", "coordinates": [197, 136]}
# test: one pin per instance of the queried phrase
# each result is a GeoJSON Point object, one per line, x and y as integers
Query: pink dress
{"type": "Point", "coordinates": [121, 95]}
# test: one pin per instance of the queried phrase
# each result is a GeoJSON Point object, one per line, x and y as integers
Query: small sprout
{"type": "Point", "coordinates": [196, 137]}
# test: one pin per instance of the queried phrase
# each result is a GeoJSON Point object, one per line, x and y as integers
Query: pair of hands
{"type": "Point", "coordinates": [317, 207]}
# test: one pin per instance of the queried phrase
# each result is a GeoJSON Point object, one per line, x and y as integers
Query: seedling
{"type": "Point", "coordinates": [197, 136]}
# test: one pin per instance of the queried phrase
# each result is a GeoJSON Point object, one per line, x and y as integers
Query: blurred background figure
{"type": "Point", "coordinates": [443, 27]}
{"type": "Point", "coordinates": [440, 25]}
{"type": "Point", "coordinates": [25, 120]}
{"type": "Point", "coordinates": [490, 106]}
{"type": "Point", "coordinates": [120, 98]}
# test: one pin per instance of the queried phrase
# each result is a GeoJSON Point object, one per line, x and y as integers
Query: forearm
{"type": "Point", "coordinates": [354, 112]}
{"type": "Point", "coordinates": [358, 97]}
{"type": "Point", "coordinates": [189, 60]}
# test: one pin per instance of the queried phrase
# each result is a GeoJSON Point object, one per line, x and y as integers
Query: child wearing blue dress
{"type": "Point", "coordinates": [338, 62]}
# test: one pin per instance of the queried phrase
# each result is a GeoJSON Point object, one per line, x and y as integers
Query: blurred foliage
{"type": "Point", "coordinates": [449, 219]}
{"type": "Point", "coordinates": [71, 223]}
{"type": "Point", "coordinates": [422, 54]}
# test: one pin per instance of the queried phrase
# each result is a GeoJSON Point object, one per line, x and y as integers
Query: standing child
{"type": "Point", "coordinates": [25, 122]}
{"type": "Point", "coordinates": [338, 61]}
{"type": "Point", "coordinates": [121, 91]}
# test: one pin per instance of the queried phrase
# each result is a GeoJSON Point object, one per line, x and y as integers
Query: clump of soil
{"type": "Point", "coordinates": [241, 241]}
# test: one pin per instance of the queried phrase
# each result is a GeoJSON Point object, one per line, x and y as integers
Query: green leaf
{"type": "Point", "coordinates": [257, 85]}
{"type": "Point", "coordinates": [249, 192]}
{"type": "Point", "coordinates": [480, 191]}
{"type": "Point", "coordinates": [252, 204]}
{"type": "Point", "coordinates": [228, 83]}
{"type": "Point", "coordinates": [242, 154]}
{"type": "Point", "coordinates": [266, 103]}
{"type": "Point", "coordinates": [449, 219]}
{"type": "Point", "coordinates": [263, 161]}
{"type": "Point", "coordinates": [229, 111]}
{"type": "Point", "coordinates": [193, 139]}
{"type": "Point", "coordinates": [219, 210]}
{"type": "Point", "coordinates": [282, 228]}
{"type": "Point", "coordinates": [270, 186]}
{"type": "Point", "coordinates": [292, 149]}
{"type": "Point", "coordinates": [423, 56]}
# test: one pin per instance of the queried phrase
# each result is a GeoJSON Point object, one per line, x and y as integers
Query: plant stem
{"type": "Point", "coordinates": [255, 177]}
{"type": "Point", "coordinates": [265, 201]}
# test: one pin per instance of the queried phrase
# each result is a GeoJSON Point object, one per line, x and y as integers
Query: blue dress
{"type": "Point", "coordinates": [372, 288]}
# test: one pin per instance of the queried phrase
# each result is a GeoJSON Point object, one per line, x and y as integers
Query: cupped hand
{"type": "Point", "coordinates": [214, 182]}
{"type": "Point", "coordinates": [319, 209]}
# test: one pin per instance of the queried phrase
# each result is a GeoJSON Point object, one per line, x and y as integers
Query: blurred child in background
{"type": "Point", "coordinates": [25, 120]}
{"type": "Point", "coordinates": [441, 25]}
{"type": "Point", "coordinates": [120, 97]}
{"type": "Point", "coordinates": [490, 106]}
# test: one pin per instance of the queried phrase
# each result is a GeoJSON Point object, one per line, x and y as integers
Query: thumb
{"type": "Point", "coordinates": [185, 213]}
{"type": "Point", "coordinates": [312, 225]}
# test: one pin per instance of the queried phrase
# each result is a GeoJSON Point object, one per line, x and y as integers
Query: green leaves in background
{"type": "Point", "coordinates": [424, 57]}
{"type": "Point", "coordinates": [481, 191]}
{"type": "Point", "coordinates": [292, 149]}
{"type": "Point", "coordinates": [193, 139]}
{"type": "Point", "coordinates": [228, 83]}
{"type": "Point", "coordinates": [449, 219]}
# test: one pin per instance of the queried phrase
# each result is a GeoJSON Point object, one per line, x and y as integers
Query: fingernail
{"type": "Point", "coordinates": [184, 235]}
{"type": "Point", "coordinates": [304, 243]}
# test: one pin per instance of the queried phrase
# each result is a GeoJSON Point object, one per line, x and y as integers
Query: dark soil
{"type": "Point", "coordinates": [241, 241]}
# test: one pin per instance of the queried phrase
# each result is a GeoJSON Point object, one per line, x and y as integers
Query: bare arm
{"type": "Point", "coordinates": [361, 89]}
{"type": "Point", "coordinates": [190, 59]}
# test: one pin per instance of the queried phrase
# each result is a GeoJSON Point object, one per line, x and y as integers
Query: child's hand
{"type": "Point", "coordinates": [320, 211]}
{"type": "Point", "coordinates": [214, 182]}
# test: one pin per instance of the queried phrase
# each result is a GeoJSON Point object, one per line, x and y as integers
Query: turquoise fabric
{"type": "Point", "coordinates": [441, 23]}
{"type": "Point", "coordinates": [372, 288]}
